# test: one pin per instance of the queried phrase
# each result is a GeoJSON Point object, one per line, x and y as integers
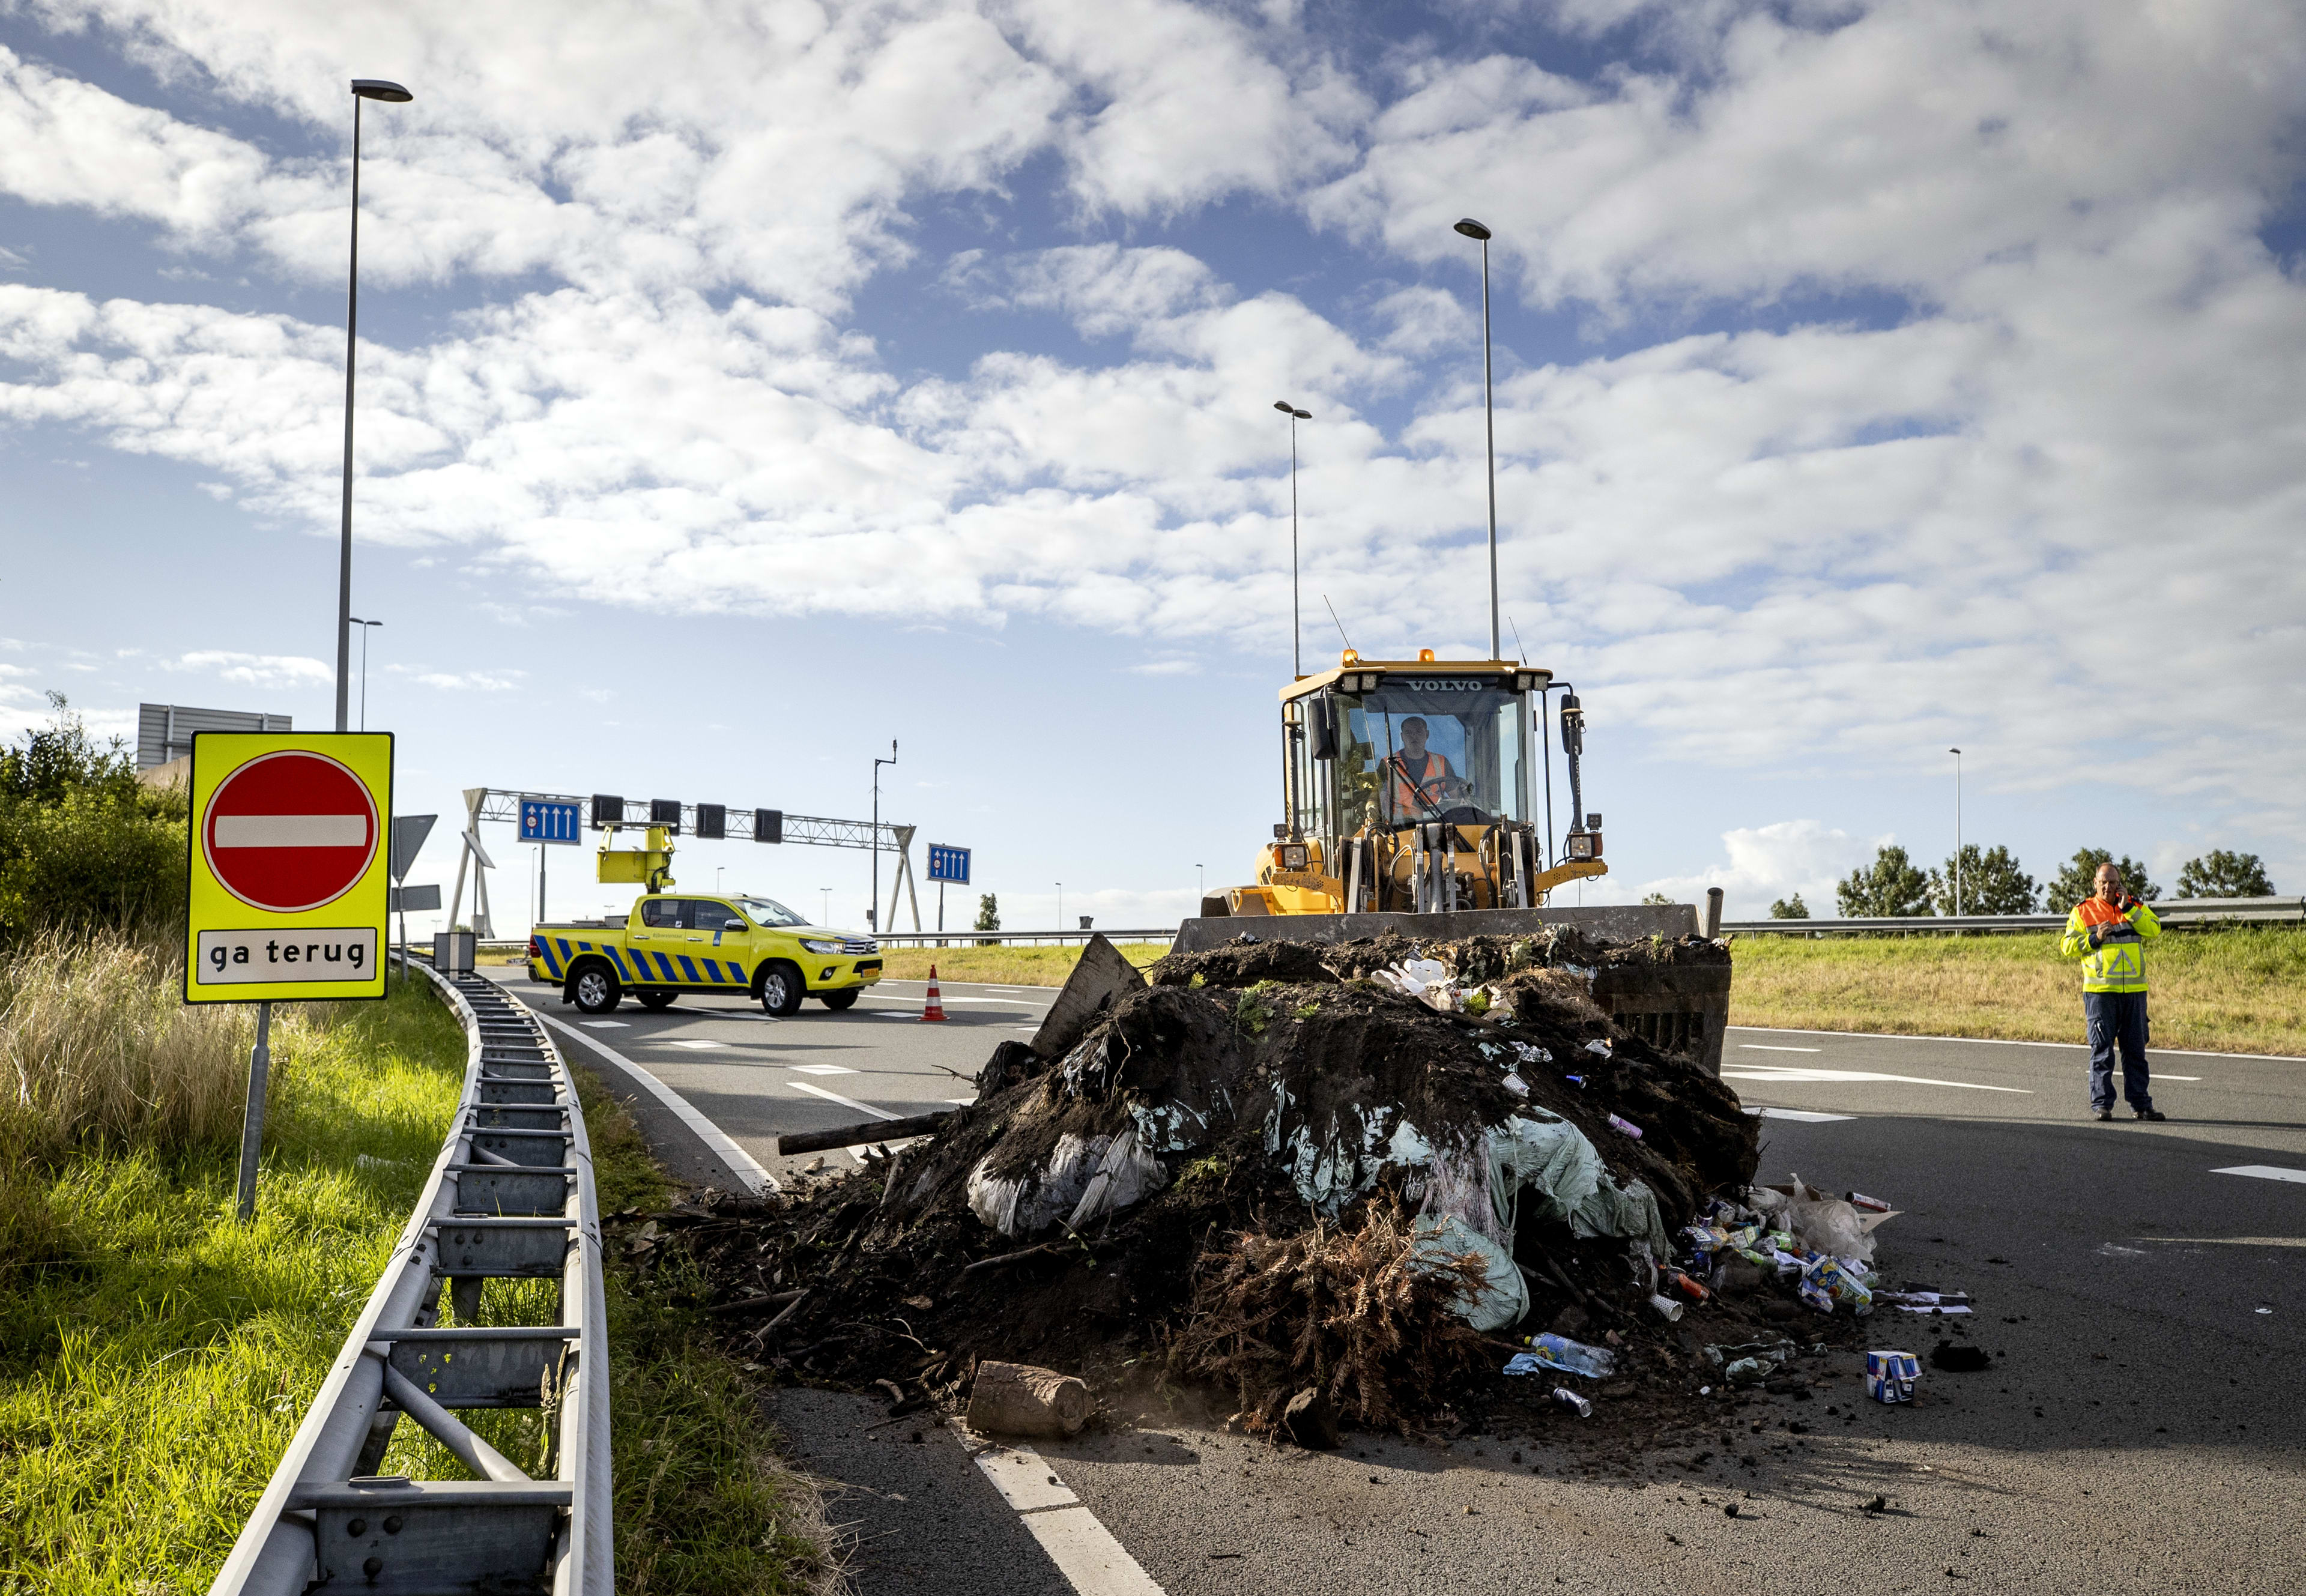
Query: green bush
{"type": "Point", "coordinates": [83, 846]}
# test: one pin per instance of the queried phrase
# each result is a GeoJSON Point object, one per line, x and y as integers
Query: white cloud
{"type": "Point", "coordinates": [256, 670]}
{"type": "Point", "coordinates": [465, 681]}
{"type": "Point", "coordinates": [1771, 862]}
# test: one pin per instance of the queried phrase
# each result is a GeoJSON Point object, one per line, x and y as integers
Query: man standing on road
{"type": "Point", "coordinates": [2109, 932]}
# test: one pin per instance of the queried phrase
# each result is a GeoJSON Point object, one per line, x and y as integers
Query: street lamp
{"type": "Point", "coordinates": [392, 94]}
{"type": "Point", "coordinates": [1957, 829]}
{"type": "Point", "coordinates": [364, 625]}
{"type": "Point", "coordinates": [1296, 663]}
{"type": "Point", "coordinates": [873, 909]}
{"type": "Point", "coordinates": [1474, 230]}
{"type": "Point", "coordinates": [717, 871]}
{"type": "Point", "coordinates": [827, 911]}
{"type": "Point", "coordinates": [1204, 875]}
{"type": "Point", "coordinates": [1061, 906]}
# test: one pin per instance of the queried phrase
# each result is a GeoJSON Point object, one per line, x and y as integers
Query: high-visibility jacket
{"type": "Point", "coordinates": [2118, 963]}
{"type": "Point", "coordinates": [1404, 793]}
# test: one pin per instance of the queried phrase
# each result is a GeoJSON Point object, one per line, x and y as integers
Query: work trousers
{"type": "Point", "coordinates": [2117, 1021]}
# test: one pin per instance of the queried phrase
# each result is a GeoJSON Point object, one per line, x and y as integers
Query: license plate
{"type": "Point", "coordinates": [867, 966]}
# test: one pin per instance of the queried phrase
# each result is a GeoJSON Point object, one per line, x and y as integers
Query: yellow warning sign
{"type": "Point", "coordinates": [290, 861]}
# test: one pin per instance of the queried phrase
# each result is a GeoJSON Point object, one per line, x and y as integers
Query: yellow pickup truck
{"type": "Point", "coordinates": [671, 944]}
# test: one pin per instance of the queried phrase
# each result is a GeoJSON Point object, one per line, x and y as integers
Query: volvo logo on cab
{"type": "Point", "coordinates": [1449, 683]}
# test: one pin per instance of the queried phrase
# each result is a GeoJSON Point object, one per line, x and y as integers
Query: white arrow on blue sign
{"type": "Point", "coordinates": [948, 864]}
{"type": "Point", "coordinates": [549, 820]}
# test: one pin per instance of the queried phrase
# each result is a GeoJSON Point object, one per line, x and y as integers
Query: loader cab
{"type": "Point", "coordinates": [1381, 747]}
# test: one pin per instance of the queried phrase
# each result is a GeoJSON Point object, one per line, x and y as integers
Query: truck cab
{"type": "Point", "coordinates": [673, 943]}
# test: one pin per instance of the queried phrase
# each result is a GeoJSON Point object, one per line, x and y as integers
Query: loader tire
{"type": "Point", "coordinates": [1214, 907]}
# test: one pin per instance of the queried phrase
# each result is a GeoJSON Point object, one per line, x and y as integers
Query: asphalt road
{"type": "Point", "coordinates": [2139, 1431]}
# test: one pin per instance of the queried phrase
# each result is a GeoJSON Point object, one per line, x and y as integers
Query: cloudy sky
{"type": "Point", "coordinates": [743, 385]}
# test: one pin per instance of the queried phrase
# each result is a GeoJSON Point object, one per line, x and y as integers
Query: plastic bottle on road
{"type": "Point", "coordinates": [1574, 1357]}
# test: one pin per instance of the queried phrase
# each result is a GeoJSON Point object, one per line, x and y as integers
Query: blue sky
{"type": "Point", "coordinates": [743, 386]}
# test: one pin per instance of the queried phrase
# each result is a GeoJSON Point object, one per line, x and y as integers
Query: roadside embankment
{"type": "Point", "coordinates": [2238, 990]}
{"type": "Point", "coordinates": [1005, 965]}
{"type": "Point", "coordinates": [156, 1356]}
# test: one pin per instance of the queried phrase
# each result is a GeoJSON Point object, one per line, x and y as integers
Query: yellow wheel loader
{"type": "Point", "coordinates": [1414, 787]}
{"type": "Point", "coordinates": [1415, 793]}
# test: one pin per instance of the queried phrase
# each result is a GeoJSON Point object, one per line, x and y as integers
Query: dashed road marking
{"type": "Point", "coordinates": [1805, 1116]}
{"type": "Point", "coordinates": [606, 1025]}
{"type": "Point", "coordinates": [696, 1043]}
{"type": "Point", "coordinates": [1084, 1551]}
{"type": "Point", "coordinates": [2265, 1172]}
{"type": "Point", "coordinates": [1791, 1074]}
{"type": "Point", "coordinates": [823, 1069]}
{"type": "Point", "coordinates": [1765, 1047]}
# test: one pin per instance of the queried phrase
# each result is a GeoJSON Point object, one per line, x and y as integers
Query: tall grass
{"type": "Point", "coordinates": [98, 1046]}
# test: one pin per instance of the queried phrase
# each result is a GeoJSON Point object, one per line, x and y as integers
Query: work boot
{"type": "Point", "coordinates": [2105, 1114]}
{"type": "Point", "coordinates": [2143, 1114]}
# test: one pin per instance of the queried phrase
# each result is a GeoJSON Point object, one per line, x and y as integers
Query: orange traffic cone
{"type": "Point", "coordinates": [935, 1009]}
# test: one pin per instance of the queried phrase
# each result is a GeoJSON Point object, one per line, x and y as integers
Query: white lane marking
{"type": "Point", "coordinates": [741, 1162]}
{"type": "Point", "coordinates": [1765, 1047]}
{"type": "Point", "coordinates": [2265, 1172]}
{"type": "Point", "coordinates": [1084, 1551]}
{"type": "Point", "coordinates": [1804, 1115]}
{"type": "Point", "coordinates": [818, 1091]}
{"type": "Point", "coordinates": [1794, 1030]}
{"type": "Point", "coordinates": [821, 1069]}
{"type": "Point", "coordinates": [696, 1043]}
{"type": "Point", "coordinates": [1798, 1072]}
{"type": "Point", "coordinates": [964, 1102]}
{"type": "Point", "coordinates": [605, 1025]}
{"type": "Point", "coordinates": [890, 1014]}
{"type": "Point", "coordinates": [292, 830]}
{"type": "Point", "coordinates": [2159, 1076]}
{"type": "Point", "coordinates": [2225, 1240]}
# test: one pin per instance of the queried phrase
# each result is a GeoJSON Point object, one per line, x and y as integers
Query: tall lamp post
{"type": "Point", "coordinates": [1061, 906]}
{"type": "Point", "coordinates": [392, 94]}
{"type": "Point", "coordinates": [872, 910]}
{"type": "Point", "coordinates": [364, 625]}
{"type": "Point", "coordinates": [1296, 662]}
{"type": "Point", "coordinates": [1474, 230]}
{"type": "Point", "coordinates": [1957, 829]}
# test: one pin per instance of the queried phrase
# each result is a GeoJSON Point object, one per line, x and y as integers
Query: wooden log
{"type": "Point", "coordinates": [1020, 1399]}
{"type": "Point", "coordinates": [864, 1135]}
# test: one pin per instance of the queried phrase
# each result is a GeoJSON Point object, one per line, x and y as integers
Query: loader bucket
{"type": "Point", "coordinates": [1682, 1008]}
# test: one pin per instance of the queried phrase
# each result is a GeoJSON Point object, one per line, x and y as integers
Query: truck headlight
{"type": "Point", "coordinates": [814, 946]}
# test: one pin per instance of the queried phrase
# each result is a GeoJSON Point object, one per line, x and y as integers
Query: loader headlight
{"type": "Point", "coordinates": [1585, 845]}
{"type": "Point", "coordinates": [1294, 856]}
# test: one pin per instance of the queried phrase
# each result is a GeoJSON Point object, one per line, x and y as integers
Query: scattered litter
{"type": "Point", "coordinates": [1872, 1204]}
{"type": "Point", "coordinates": [1580, 1405]}
{"type": "Point", "coordinates": [1925, 1302]}
{"type": "Point", "coordinates": [1627, 1126]}
{"type": "Point", "coordinates": [1666, 1308]}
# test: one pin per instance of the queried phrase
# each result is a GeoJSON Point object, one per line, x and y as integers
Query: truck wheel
{"type": "Point", "coordinates": [654, 1000]}
{"type": "Point", "coordinates": [594, 989]}
{"type": "Point", "coordinates": [782, 989]}
{"type": "Point", "coordinates": [838, 1001]}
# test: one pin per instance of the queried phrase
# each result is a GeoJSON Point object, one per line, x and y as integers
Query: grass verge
{"type": "Point", "coordinates": [155, 1357]}
{"type": "Point", "coordinates": [2240, 990]}
{"type": "Point", "coordinates": [1005, 965]}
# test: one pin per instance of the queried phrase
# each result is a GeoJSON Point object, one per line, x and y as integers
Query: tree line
{"type": "Point", "coordinates": [1993, 884]}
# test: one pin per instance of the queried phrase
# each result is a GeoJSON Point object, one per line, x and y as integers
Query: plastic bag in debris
{"type": "Point", "coordinates": [1502, 1298]}
{"type": "Point", "coordinates": [1086, 1178]}
{"type": "Point", "coordinates": [1631, 1211]}
{"type": "Point", "coordinates": [1823, 1223]}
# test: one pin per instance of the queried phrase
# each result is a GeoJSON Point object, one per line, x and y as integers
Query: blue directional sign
{"type": "Point", "coordinates": [549, 820]}
{"type": "Point", "coordinates": [948, 864]}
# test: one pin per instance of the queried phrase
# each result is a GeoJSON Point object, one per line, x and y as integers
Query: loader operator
{"type": "Point", "coordinates": [1421, 781]}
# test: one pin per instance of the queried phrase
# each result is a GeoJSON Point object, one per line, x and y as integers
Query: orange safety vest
{"type": "Point", "coordinates": [1406, 803]}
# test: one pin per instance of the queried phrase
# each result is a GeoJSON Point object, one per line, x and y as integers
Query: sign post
{"type": "Point", "coordinates": [288, 875]}
{"type": "Point", "coordinates": [548, 820]}
{"type": "Point", "coordinates": [946, 864]}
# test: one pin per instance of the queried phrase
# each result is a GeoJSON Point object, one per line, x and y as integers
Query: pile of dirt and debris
{"type": "Point", "coordinates": [1353, 1170]}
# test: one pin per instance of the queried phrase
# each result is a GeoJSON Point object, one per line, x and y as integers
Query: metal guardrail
{"type": "Point", "coordinates": [970, 939]}
{"type": "Point", "coordinates": [2178, 913]}
{"type": "Point", "coordinates": [509, 1198]}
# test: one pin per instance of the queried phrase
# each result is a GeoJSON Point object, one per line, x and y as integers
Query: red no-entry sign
{"type": "Point", "coordinates": [290, 831]}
